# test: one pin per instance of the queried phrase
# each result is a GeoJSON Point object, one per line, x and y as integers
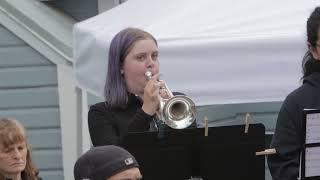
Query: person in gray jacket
{"type": "Point", "coordinates": [287, 139]}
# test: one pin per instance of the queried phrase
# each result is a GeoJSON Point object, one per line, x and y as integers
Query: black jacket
{"type": "Point", "coordinates": [287, 139]}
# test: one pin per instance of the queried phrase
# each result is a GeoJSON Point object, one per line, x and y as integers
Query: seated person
{"type": "Point", "coordinates": [107, 163]}
{"type": "Point", "coordinates": [15, 154]}
{"type": "Point", "coordinates": [132, 99]}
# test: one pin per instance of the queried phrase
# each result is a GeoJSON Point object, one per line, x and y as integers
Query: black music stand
{"type": "Point", "coordinates": [226, 153]}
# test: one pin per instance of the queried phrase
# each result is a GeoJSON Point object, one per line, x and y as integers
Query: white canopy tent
{"type": "Point", "coordinates": [217, 52]}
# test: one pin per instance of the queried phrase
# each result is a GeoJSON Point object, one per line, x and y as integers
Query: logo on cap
{"type": "Point", "coordinates": [128, 161]}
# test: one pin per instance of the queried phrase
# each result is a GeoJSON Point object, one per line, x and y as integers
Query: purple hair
{"type": "Point", "coordinates": [115, 89]}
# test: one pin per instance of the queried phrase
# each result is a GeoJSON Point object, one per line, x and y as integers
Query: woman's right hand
{"type": "Point", "coordinates": [151, 98]}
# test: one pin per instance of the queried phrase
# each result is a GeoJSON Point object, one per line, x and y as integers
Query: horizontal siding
{"type": "Point", "coordinates": [35, 117]}
{"type": "Point", "coordinates": [28, 77]}
{"type": "Point", "coordinates": [7, 38]}
{"type": "Point", "coordinates": [16, 56]}
{"type": "Point", "coordinates": [29, 93]}
{"type": "Point", "coordinates": [29, 97]}
{"type": "Point", "coordinates": [48, 159]}
{"type": "Point", "coordinates": [49, 138]}
{"type": "Point", "coordinates": [51, 175]}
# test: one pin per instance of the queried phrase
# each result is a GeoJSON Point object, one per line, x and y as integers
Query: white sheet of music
{"type": "Point", "coordinates": [312, 166]}
{"type": "Point", "coordinates": [312, 154]}
{"type": "Point", "coordinates": [313, 128]}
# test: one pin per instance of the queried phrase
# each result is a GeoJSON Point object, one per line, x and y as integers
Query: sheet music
{"type": "Point", "coordinates": [313, 128]}
{"type": "Point", "coordinates": [312, 161]}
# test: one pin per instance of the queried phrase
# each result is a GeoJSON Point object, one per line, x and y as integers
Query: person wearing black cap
{"type": "Point", "coordinates": [107, 163]}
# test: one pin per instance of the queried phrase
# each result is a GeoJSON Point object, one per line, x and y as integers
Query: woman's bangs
{"type": "Point", "coordinates": [11, 136]}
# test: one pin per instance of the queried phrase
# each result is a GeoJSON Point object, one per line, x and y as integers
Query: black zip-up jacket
{"type": "Point", "coordinates": [287, 139]}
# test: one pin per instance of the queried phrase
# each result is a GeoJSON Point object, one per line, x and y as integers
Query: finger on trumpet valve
{"type": "Point", "coordinates": [164, 94]}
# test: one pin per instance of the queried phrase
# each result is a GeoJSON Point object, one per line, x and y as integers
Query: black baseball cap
{"type": "Point", "coordinates": [102, 162]}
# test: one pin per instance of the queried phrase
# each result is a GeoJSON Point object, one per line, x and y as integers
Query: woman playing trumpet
{"type": "Point", "coordinates": [131, 99]}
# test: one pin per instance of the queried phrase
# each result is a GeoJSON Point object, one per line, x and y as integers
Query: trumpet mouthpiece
{"type": "Point", "coordinates": [148, 74]}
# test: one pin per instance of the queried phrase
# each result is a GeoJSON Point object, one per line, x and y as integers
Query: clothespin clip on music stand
{"type": "Point", "coordinates": [206, 126]}
{"type": "Point", "coordinates": [266, 152]}
{"type": "Point", "coordinates": [247, 123]}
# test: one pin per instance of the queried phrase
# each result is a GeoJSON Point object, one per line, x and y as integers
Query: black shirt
{"type": "Point", "coordinates": [107, 125]}
{"type": "Point", "coordinates": [287, 139]}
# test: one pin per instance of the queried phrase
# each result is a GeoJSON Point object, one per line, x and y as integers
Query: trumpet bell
{"type": "Point", "coordinates": [179, 112]}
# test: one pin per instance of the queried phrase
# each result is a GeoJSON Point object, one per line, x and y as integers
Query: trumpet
{"type": "Point", "coordinates": [178, 112]}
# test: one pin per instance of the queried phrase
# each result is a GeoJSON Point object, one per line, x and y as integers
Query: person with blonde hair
{"type": "Point", "coordinates": [15, 153]}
